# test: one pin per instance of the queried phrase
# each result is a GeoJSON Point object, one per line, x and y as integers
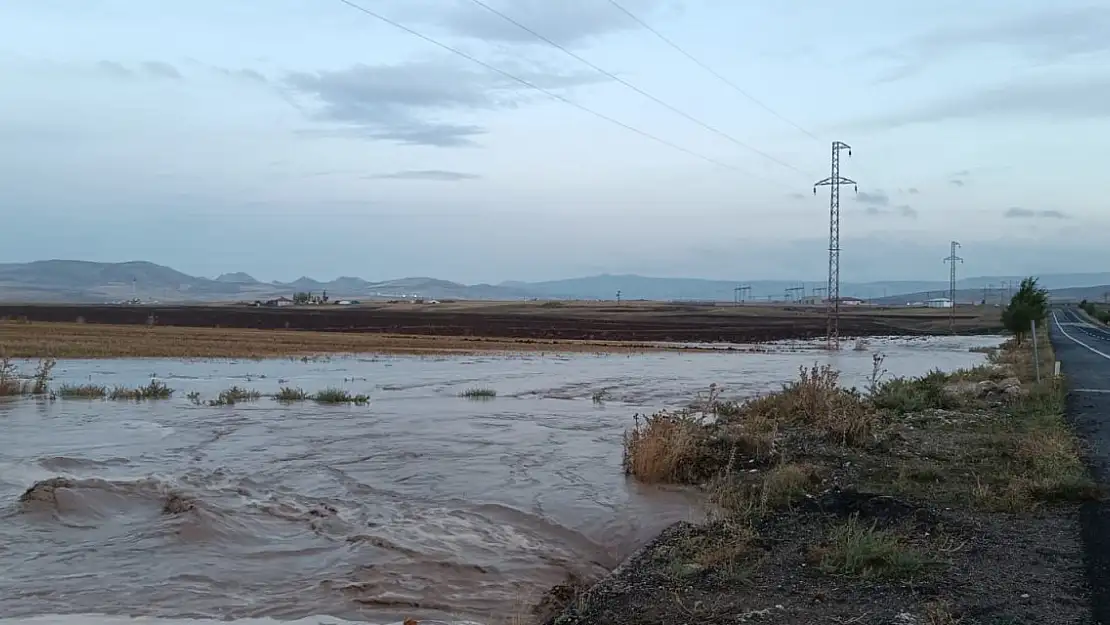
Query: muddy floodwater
{"type": "Point", "coordinates": [421, 504]}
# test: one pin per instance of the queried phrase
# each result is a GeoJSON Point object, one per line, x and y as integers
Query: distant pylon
{"type": "Point", "coordinates": [952, 258]}
{"type": "Point", "coordinates": [833, 182]}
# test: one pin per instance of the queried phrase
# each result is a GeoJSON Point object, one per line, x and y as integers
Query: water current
{"type": "Point", "coordinates": [421, 504]}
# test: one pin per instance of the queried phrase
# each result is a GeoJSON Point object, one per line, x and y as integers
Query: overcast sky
{"type": "Point", "coordinates": [290, 137]}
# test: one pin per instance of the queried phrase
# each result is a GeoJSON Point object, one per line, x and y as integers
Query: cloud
{"type": "Point", "coordinates": [797, 196]}
{"type": "Point", "coordinates": [956, 182]}
{"type": "Point", "coordinates": [1025, 213]}
{"type": "Point", "coordinates": [159, 69]}
{"type": "Point", "coordinates": [877, 197]}
{"type": "Point", "coordinates": [901, 210]}
{"type": "Point", "coordinates": [567, 22]}
{"type": "Point", "coordinates": [426, 174]}
{"type": "Point", "coordinates": [114, 69]}
{"type": "Point", "coordinates": [399, 103]}
{"type": "Point", "coordinates": [1070, 98]}
{"type": "Point", "coordinates": [1048, 36]}
{"type": "Point", "coordinates": [912, 191]}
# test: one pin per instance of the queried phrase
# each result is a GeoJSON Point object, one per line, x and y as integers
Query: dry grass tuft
{"type": "Point", "coordinates": [664, 447]}
{"type": "Point", "coordinates": [817, 400]}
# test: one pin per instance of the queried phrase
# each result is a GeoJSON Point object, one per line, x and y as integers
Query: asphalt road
{"type": "Point", "coordinates": [1083, 349]}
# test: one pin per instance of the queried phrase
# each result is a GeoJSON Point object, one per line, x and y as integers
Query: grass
{"type": "Point", "coordinates": [334, 395]}
{"type": "Point", "coordinates": [859, 550]}
{"type": "Point", "coordinates": [234, 395]}
{"type": "Point", "coordinates": [82, 391]}
{"type": "Point", "coordinates": [478, 393]}
{"type": "Point", "coordinates": [154, 390]}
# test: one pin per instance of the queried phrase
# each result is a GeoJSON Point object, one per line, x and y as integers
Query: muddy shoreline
{"type": "Point", "coordinates": [935, 487]}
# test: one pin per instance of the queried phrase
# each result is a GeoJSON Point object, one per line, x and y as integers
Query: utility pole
{"type": "Point", "coordinates": [741, 293]}
{"type": "Point", "coordinates": [833, 182]}
{"type": "Point", "coordinates": [618, 298]}
{"type": "Point", "coordinates": [794, 293]}
{"type": "Point", "coordinates": [953, 259]}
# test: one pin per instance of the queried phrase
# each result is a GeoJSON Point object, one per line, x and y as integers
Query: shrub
{"type": "Point", "coordinates": [234, 395]}
{"type": "Point", "coordinates": [154, 390]}
{"type": "Point", "coordinates": [82, 391]}
{"type": "Point", "coordinates": [339, 396]}
{"type": "Point", "coordinates": [291, 394]}
{"type": "Point", "coordinates": [479, 393]}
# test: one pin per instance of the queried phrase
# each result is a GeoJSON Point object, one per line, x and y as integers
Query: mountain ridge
{"type": "Point", "coordinates": [59, 280]}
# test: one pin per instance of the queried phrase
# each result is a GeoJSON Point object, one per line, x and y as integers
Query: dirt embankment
{"type": "Point", "coordinates": [637, 322]}
{"type": "Point", "coordinates": [907, 504]}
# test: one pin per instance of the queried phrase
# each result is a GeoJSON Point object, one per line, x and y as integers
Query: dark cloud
{"type": "Point", "coordinates": [912, 191]}
{"type": "Point", "coordinates": [877, 197]}
{"type": "Point", "coordinates": [400, 102]}
{"type": "Point", "coordinates": [1048, 36]}
{"type": "Point", "coordinates": [1076, 97]}
{"type": "Point", "coordinates": [1026, 213]}
{"type": "Point", "coordinates": [426, 174]}
{"type": "Point", "coordinates": [567, 22]}
{"type": "Point", "coordinates": [159, 69]}
{"type": "Point", "coordinates": [956, 182]}
{"type": "Point", "coordinates": [797, 196]}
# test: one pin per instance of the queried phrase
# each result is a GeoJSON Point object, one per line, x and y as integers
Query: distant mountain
{"type": "Point", "coordinates": [237, 277]}
{"type": "Point", "coordinates": [84, 281]}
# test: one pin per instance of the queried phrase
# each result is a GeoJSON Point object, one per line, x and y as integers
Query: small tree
{"type": "Point", "coordinates": [1028, 306]}
{"type": "Point", "coordinates": [301, 297]}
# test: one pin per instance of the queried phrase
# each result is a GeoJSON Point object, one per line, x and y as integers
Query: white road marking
{"type": "Point", "coordinates": [1075, 340]}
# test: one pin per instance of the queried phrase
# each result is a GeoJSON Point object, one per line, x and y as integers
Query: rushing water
{"type": "Point", "coordinates": [421, 504]}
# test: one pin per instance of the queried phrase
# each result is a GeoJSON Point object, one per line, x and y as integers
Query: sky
{"type": "Point", "coordinates": [491, 140]}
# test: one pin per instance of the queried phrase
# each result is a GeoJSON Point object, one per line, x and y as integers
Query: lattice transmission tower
{"type": "Point", "coordinates": [833, 182]}
{"type": "Point", "coordinates": [952, 258]}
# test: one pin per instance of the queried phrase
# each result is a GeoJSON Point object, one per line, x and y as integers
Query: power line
{"type": "Point", "coordinates": [638, 90]}
{"type": "Point", "coordinates": [536, 87]}
{"type": "Point", "coordinates": [710, 70]}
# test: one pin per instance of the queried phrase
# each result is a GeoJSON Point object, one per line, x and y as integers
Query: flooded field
{"type": "Point", "coordinates": [421, 504]}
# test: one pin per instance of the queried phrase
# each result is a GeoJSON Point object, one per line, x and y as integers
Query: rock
{"type": "Point", "coordinates": [962, 388]}
{"type": "Point", "coordinates": [177, 504]}
{"type": "Point", "coordinates": [43, 491]}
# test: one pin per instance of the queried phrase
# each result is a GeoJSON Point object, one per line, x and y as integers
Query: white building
{"type": "Point", "coordinates": [938, 302]}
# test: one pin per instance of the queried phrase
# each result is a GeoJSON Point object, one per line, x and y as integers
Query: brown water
{"type": "Point", "coordinates": [421, 504]}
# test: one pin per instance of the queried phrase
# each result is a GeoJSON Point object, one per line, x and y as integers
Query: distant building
{"type": "Point", "coordinates": [851, 301]}
{"type": "Point", "coordinates": [280, 301]}
{"type": "Point", "coordinates": [938, 302]}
